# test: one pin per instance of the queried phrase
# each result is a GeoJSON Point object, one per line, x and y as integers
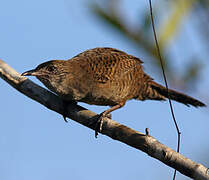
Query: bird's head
{"type": "Point", "coordinates": [50, 73]}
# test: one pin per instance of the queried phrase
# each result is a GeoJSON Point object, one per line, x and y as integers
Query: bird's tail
{"type": "Point", "coordinates": [159, 92]}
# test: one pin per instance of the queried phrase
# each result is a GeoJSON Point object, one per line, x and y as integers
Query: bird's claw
{"type": "Point", "coordinates": [98, 127]}
{"type": "Point", "coordinates": [65, 118]}
{"type": "Point", "coordinates": [65, 105]}
{"type": "Point", "coordinates": [99, 123]}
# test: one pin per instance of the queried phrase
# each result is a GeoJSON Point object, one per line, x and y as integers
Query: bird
{"type": "Point", "coordinates": [104, 76]}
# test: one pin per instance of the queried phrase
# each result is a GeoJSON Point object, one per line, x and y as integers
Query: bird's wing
{"type": "Point", "coordinates": [108, 65]}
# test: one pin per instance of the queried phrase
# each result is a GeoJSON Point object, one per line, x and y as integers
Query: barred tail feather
{"type": "Point", "coordinates": [176, 96]}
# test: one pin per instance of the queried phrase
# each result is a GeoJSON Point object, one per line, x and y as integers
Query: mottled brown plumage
{"type": "Point", "coordinates": [104, 76]}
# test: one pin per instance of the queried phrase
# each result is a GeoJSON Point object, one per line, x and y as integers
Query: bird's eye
{"type": "Point", "coordinates": [51, 68]}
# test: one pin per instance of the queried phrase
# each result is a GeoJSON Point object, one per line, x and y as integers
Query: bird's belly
{"type": "Point", "coordinates": [100, 94]}
{"type": "Point", "coordinates": [89, 97]}
{"type": "Point", "coordinates": [103, 97]}
{"type": "Point", "coordinates": [102, 101]}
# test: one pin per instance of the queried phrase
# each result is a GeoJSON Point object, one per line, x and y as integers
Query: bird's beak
{"type": "Point", "coordinates": [32, 72]}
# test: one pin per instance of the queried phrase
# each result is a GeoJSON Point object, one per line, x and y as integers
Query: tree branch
{"type": "Point", "coordinates": [140, 141]}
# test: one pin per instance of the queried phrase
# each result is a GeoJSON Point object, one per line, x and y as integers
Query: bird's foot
{"type": "Point", "coordinates": [100, 121]}
{"type": "Point", "coordinates": [65, 109]}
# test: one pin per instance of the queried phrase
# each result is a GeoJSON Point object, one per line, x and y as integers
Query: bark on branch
{"type": "Point", "coordinates": [138, 140]}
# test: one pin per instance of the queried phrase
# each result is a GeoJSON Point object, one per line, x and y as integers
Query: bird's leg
{"type": "Point", "coordinates": [65, 105]}
{"type": "Point", "coordinates": [99, 123]}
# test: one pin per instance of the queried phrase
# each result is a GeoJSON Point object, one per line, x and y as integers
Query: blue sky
{"type": "Point", "coordinates": [35, 143]}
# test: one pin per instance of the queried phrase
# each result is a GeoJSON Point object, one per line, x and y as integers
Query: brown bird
{"type": "Point", "coordinates": [106, 77]}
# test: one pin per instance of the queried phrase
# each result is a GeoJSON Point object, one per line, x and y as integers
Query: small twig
{"type": "Point", "coordinates": [114, 130]}
{"type": "Point", "coordinates": [147, 131]}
